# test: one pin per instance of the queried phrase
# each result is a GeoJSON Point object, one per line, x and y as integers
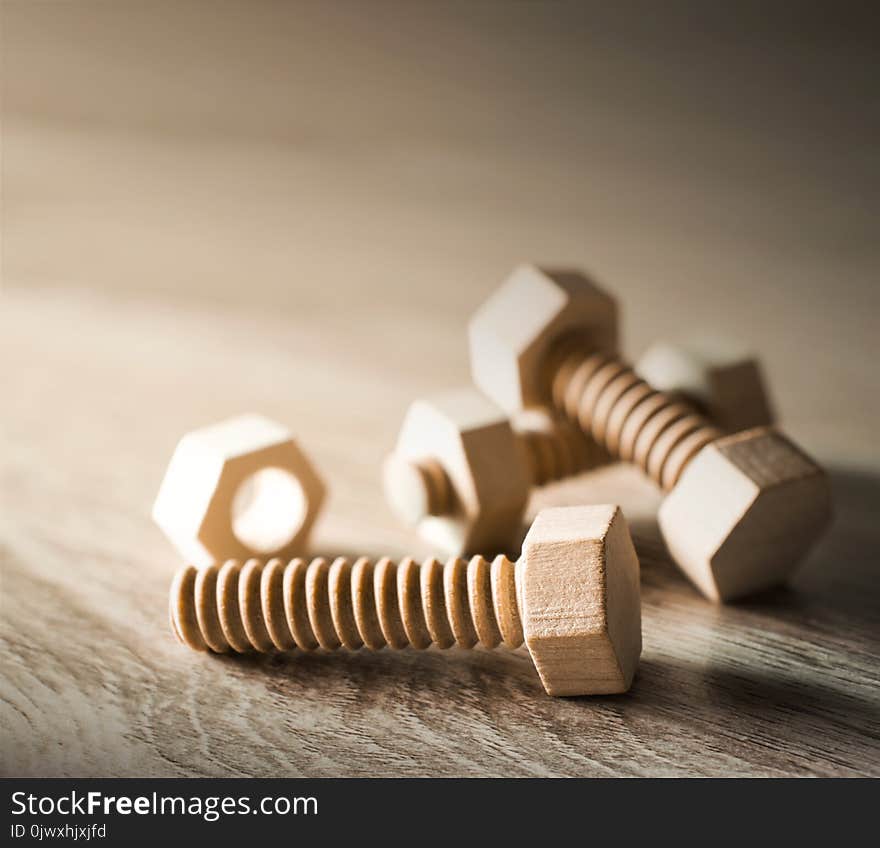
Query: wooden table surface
{"type": "Point", "coordinates": [97, 394]}
{"type": "Point", "coordinates": [219, 217]}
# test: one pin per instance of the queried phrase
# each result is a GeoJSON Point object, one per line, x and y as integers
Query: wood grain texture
{"type": "Point", "coordinates": [579, 592]}
{"type": "Point", "coordinates": [98, 390]}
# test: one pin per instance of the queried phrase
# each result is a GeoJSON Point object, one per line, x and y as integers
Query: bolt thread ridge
{"type": "Point", "coordinates": [276, 606]}
{"type": "Point", "coordinates": [437, 487]}
{"type": "Point", "coordinates": [628, 418]}
{"type": "Point", "coordinates": [561, 453]}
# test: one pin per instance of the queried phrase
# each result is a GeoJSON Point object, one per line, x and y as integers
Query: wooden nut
{"type": "Point", "coordinates": [580, 600]}
{"type": "Point", "coordinates": [513, 333]}
{"type": "Point", "coordinates": [724, 384]}
{"type": "Point", "coordinates": [238, 489]}
{"type": "Point", "coordinates": [458, 474]}
{"type": "Point", "coordinates": [744, 513]}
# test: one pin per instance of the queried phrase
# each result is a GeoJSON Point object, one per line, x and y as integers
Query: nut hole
{"type": "Point", "coordinates": [268, 510]}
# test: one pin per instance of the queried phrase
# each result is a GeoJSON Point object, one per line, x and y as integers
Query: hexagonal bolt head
{"type": "Point", "coordinates": [744, 514]}
{"type": "Point", "coordinates": [722, 382]}
{"type": "Point", "coordinates": [470, 443]}
{"type": "Point", "coordinates": [514, 332]}
{"type": "Point", "coordinates": [214, 469]}
{"type": "Point", "coordinates": [580, 601]}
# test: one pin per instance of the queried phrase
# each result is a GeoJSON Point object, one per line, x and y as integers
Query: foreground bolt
{"type": "Point", "coordinates": [743, 510]}
{"type": "Point", "coordinates": [573, 597]}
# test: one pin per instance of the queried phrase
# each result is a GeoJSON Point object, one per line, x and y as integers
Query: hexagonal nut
{"type": "Point", "coordinates": [238, 489]}
{"type": "Point", "coordinates": [724, 383]}
{"type": "Point", "coordinates": [461, 442]}
{"type": "Point", "coordinates": [744, 513]}
{"type": "Point", "coordinates": [580, 600]}
{"type": "Point", "coordinates": [535, 311]}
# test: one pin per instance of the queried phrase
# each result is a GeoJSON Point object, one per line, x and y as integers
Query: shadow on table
{"type": "Point", "coordinates": [767, 692]}
{"type": "Point", "coordinates": [842, 571]}
{"type": "Point", "coordinates": [792, 712]}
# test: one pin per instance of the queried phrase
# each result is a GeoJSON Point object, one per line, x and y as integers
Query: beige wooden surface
{"type": "Point", "coordinates": [96, 394]}
{"type": "Point", "coordinates": [207, 214]}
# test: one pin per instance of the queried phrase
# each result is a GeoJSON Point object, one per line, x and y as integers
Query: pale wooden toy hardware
{"type": "Point", "coordinates": [743, 510]}
{"type": "Point", "coordinates": [436, 482]}
{"type": "Point", "coordinates": [719, 380]}
{"type": "Point", "coordinates": [462, 474]}
{"type": "Point", "coordinates": [202, 502]}
{"type": "Point", "coordinates": [572, 597]}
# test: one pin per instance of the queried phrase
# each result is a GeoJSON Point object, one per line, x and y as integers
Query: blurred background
{"type": "Point", "coordinates": [715, 165]}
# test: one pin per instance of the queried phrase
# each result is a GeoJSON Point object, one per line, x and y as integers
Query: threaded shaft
{"type": "Point", "coordinates": [628, 418]}
{"type": "Point", "coordinates": [559, 453]}
{"type": "Point", "coordinates": [417, 488]}
{"type": "Point", "coordinates": [272, 606]}
{"type": "Point", "coordinates": [438, 489]}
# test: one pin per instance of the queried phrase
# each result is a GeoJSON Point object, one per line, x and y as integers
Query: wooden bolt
{"type": "Point", "coordinates": [572, 597]}
{"type": "Point", "coordinates": [462, 474]}
{"type": "Point", "coordinates": [743, 510]}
